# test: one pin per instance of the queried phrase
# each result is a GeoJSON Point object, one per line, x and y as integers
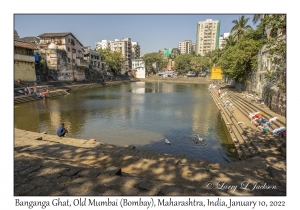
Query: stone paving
{"type": "Point", "coordinates": [46, 164]}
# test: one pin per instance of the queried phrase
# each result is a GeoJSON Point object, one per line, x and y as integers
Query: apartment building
{"type": "Point", "coordinates": [125, 47]}
{"type": "Point", "coordinates": [207, 38]}
{"type": "Point", "coordinates": [138, 67]}
{"type": "Point", "coordinates": [64, 56]}
{"type": "Point", "coordinates": [136, 50]}
{"type": "Point", "coordinates": [24, 61]}
{"type": "Point", "coordinates": [104, 44]}
{"type": "Point", "coordinates": [222, 40]}
{"type": "Point", "coordinates": [93, 58]}
{"type": "Point", "coordinates": [185, 47]}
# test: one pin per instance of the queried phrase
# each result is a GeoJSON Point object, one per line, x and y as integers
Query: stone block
{"type": "Point", "coordinates": [170, 191]}
{"type": "Point", "coordinates": [112, 171]}
{"type": "Point", "coordinates": [130, 147]}
{"type": "Point", "coordinates": [110, 192]}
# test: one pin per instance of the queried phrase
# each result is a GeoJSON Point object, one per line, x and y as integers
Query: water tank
{"type": "Point", "coordinates": [52, 46]}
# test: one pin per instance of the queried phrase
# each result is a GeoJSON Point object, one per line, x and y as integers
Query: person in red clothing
{"type": "Point", "coordinates": [219, 92]}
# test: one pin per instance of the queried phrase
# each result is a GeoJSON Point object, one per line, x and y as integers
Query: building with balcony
{"type": "Point", "coordinates": [136, 50]}
{"type": "Point", "coordinates": [93, 58]}
{"type": "Point", "coordinates": [207, 38]}
{"type": "Point", "coordinates": [104, 44]}
{"type": "Point", "coordinates": [222, 40]}
{"type": "Point", "coordinates": [138, 67]}
{"type": "Point", "coordinates": [125, 47]}
{"type": "Point", "coordinates": [24, 61]}
{"type": "Point", "coordinates": [185, 47]}
{"type": "Point", "coordinates": [64, 55]}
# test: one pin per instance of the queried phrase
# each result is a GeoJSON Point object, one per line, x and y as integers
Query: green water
{"type": "Point", "coordinates": [140, 114]}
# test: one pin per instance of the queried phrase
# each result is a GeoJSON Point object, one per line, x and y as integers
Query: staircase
{"type": "Point", "coordinates": [249, 140]}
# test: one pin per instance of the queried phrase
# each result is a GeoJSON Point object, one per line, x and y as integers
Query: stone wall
{"type": "Point", "coordinates": [275, 99]}
{"type": "Point", "coordinates": [60, 69]}
{"type": "Point", "coordinates": [24, 70]}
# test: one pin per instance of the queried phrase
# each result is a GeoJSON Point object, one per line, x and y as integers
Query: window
{"type": "Point", "coordinates": [69, 60]}
{"type": "Point", "coordinates": [69, 40]}
{"type": "Point", "coordinates": [68, 49]}
{"type": "Point", "coordinates": [74, 51]}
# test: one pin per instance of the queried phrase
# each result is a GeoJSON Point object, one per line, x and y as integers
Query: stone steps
{"type": "Point", "coordinates": [246, 106]}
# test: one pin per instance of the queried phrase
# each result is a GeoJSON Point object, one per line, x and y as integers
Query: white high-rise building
{"type": "Point", "coordinates": [104, 44]}
{"type": "Point", "coordinates": [222, 40]}
{"type": "Point", "coordinates": [207, 38]}
{"type": "Point", "coordinates": [124, 46]}
{"type": "Point", "coordinates": [185, 47]}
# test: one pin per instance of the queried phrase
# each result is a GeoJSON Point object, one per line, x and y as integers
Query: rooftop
{"type": "Point", "coordinates": [24, 45]}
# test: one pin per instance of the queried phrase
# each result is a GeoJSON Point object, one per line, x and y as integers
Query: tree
{"type": "Point", "coordinates": [113, 60]}
{"type": "Point", "coordinates": [230, 41]}
{"type": "Point", "coordinates": [182, 63]}
{"type": "Point", "coordinates": [275, 24]}
{"type": "Point", "coordinates": [197, 64]}
{"type": "Point", "coordinates": [257, 17]}
{"type": "Point", "coordinates": [211, 58]}
{"type": "Point", "coordinates": [240, 27]}
{"type": "Point", "coordinates": [276, 43]}
{"type": "Point", "coordinates": [154, 58]}
{"type": "Point", "coordinates": [239, 60]}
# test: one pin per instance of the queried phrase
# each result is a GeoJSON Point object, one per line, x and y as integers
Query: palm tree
{"type": "Point", "coordinates": [257, 17]}
{"type": "Point", "coordinates": [240, 27]}
{"type": "Point", "coordinates": [230, 41]}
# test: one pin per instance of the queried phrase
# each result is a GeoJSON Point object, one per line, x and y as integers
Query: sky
{"type": "Point", "coordinates": [153, 32]}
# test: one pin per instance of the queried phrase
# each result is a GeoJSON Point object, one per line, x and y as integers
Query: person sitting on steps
{"type": "Point", "coordinates": [61, 130]}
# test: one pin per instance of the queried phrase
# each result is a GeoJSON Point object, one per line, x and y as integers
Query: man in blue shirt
{"type": "Point", "coordinates": [61, 130]}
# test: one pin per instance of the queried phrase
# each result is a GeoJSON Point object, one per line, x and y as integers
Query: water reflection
{"type": "Point", "coordinates": [140, 114]}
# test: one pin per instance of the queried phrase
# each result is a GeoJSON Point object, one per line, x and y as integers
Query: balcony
{"type": "Point", "coordinates": [83, 63]}
{"type": "Point", "coordinates": [26, 58]}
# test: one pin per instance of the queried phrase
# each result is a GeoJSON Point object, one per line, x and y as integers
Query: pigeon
{"type": "Point", "coordinates": [167, 141]}
{"type": "Point", "coordinates": [273, 119]}
{"type": "Point", "coordinates": [240, 122]}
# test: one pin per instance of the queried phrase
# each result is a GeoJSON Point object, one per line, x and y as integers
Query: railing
{"type": "Point", "coordinates": [83, 63]}
{"type": "Point", "coordinates": [27, 58]}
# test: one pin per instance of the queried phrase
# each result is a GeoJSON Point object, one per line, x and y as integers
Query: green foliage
{"type": "Point", "coordinates": [152, 58]}
{"type": "Point", "coordinates": [240, 27]}
{"type": "Point", "coordinates": [276, 24]}
{"type": "Point", "coordinates": [113, 60]}
{"type": "Point", "coordinates": [183, 63]}
{"type": "Point", "coordinates": [239, 60]}
{"type": "Point", "coordinates": [197, 64]}
{"type": "Point", "coordinates": [230, 41]}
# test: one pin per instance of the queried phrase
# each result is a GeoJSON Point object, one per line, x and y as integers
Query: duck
{"type": "Point", "coordinates": [198, 138]}
{"type": "Point", "coordinates": [167, 141]}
